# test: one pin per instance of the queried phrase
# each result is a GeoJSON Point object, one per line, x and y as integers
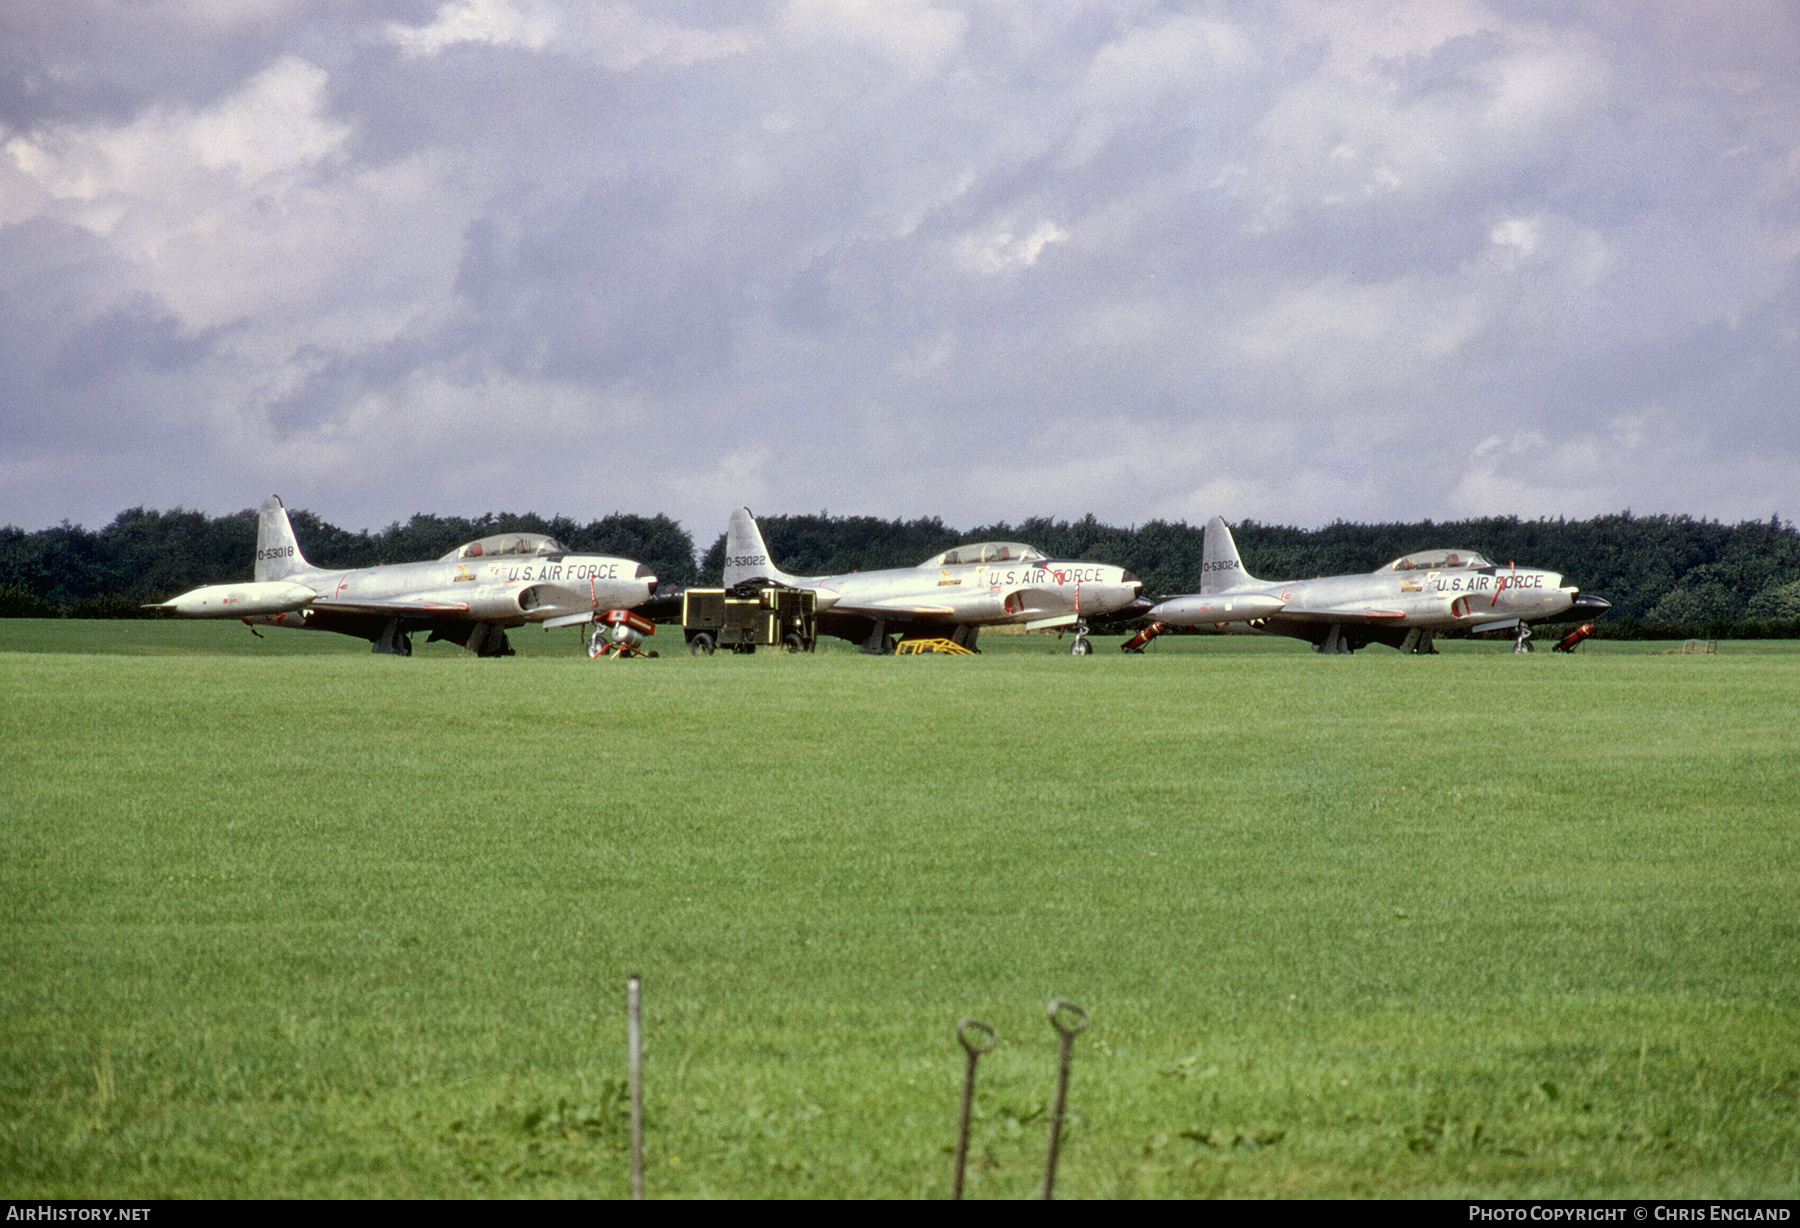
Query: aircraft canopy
{"type": "Point", "coordinates": [506, 543]}
{"type": "Point", "coordinates": [1438, 560]}
{"type": "Point", "coordinates": [986, 552]}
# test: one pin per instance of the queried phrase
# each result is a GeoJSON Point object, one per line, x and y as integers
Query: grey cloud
{"type": "Point", "coordinates": [982, 261]}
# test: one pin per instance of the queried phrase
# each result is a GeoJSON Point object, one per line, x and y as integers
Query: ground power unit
{"type": "Point", "coordinates": [748, 616]}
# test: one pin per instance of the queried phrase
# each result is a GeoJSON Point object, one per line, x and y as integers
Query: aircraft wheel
{"type": "Point", "coordinates": [701, 645]}
{"type": "Point", "coordinates": [1080, 648]}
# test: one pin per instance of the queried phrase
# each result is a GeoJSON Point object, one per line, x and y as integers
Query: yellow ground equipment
{"type": "Point", "coordinates": [940, 644]}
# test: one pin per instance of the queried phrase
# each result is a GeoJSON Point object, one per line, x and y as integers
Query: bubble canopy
{"type": "Point", "coordinates": [986, 552]}
{"type": "Point", "coordinates": [1438, 560]}
{"type": "Point", "coordinates": [506, 544]}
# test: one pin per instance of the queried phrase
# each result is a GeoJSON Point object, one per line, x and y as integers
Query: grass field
{"type": "Point", "coordinates": [283, 918]}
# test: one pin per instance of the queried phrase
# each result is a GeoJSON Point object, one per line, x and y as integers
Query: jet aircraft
{"type": "Point", "coordinates": [470, 596]}
{"type": "Point", "coordinates": [1404, 604]}
{"type": "Point", "coordinates": [959, 591]}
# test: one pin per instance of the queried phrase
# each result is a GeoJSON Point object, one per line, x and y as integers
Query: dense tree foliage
{"type": "Point", "coordinates": [1663, 574]}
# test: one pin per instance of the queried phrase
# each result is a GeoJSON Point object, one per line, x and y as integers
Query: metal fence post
{"type": "Point", "coordinates": [1078, 1021]}
{"type": "Point", "coordinates": [974, 1048]}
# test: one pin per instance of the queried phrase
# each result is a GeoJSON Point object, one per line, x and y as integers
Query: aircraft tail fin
{"type": "Point", "coordinates": [1220, 567]}
{"type": "Point", "coordinates": [277, 550]}
{"type": "Point", "coordinates": [747, 555]}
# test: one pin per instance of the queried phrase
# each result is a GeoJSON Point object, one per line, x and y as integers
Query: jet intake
{"type": "Point", "coordinates": [486, 603]}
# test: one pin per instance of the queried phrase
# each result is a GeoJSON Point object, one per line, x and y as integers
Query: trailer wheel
{"type": "Point", "coordinates": [793, 643]}
{"type": "Point", "coordinates": [701, 645]}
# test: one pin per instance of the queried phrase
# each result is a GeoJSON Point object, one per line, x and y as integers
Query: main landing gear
{"type": "Point", "coordinates": [1418, 640]}
{"type": "Point", "coordinates": [878, 643]}
{"type": "Point", "coordinates": [1336, 642]}
{"type": "Point", "coordinates": [392, 641]}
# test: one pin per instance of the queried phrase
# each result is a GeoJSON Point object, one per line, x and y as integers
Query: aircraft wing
{"type": "Point", "coordinates": [1344, 614]}
{"type": "Point", "coordinates": [891, 607]}
{"type": "Point", "coordinates": [396, 607]}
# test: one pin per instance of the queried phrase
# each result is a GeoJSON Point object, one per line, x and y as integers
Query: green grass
{"type": "Point", "coordinates": [282, 918]}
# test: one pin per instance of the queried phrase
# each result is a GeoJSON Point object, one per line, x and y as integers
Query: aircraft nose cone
{"type": "Point", "coordinates": [1137, 586]}
{"type": "Point", "coordinates": [1586, 605]}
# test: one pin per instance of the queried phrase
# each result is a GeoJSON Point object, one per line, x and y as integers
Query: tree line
{"type": "Point", "coordinates": [1664, 574]}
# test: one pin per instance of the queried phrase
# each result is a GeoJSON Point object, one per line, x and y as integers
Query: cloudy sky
{"type": "Point", "coordinates": [1297, 261]}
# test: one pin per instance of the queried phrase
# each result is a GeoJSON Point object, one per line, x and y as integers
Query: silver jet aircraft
{"type": "Point", "coordinates": [1404, 604]}
{"type": "Point", "coordinates": [957, 592]}
{"type": "Point", "coordinates": [470, 596]}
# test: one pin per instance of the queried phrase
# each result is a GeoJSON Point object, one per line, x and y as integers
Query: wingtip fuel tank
{"type": "Point", "coordinates": [1199, 610]}
{"type": "Point", "coordinates": [239, 600]}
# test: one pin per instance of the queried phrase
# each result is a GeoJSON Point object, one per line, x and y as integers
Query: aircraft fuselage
{"type": "Point", "coordinates": [507, 591]}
